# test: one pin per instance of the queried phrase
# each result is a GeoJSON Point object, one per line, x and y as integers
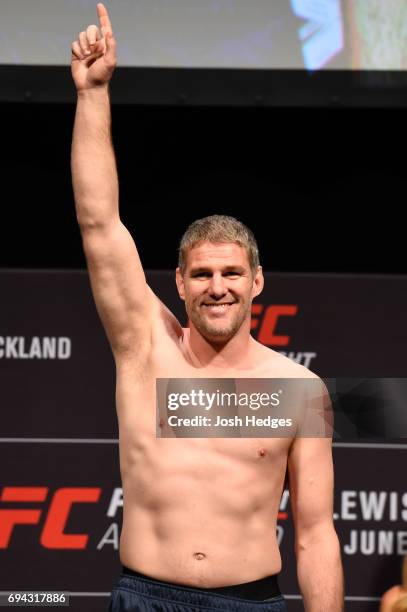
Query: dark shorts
{"type": "Point", "coordinates": [136, 592]}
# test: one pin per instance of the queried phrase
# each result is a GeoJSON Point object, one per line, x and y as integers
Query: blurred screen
{"type": "Point", "coordinates": [275, 34]}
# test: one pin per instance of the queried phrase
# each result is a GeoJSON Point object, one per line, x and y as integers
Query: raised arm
{"type": "Point", "coordinates": [123, 299]}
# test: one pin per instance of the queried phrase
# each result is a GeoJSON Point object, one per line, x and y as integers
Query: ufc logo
{"type": "Point", "coordinates": [52, 535]}
{"type": "Point", "coordinates": [266, 334]}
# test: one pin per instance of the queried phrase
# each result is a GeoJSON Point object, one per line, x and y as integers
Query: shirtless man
{"type": "Point", "coordinates": [199, 517]}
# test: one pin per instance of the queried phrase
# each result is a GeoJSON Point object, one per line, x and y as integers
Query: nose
{"type": "Point", "coordinates": [217, 287]}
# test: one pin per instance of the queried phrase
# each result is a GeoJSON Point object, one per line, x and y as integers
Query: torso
{"type": "Point", "coordinates": [199, 511]}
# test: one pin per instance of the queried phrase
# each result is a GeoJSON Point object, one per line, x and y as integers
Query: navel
{"type": "Point", "coordinates": [199, 556]}
{"type": "Point", "coordinates": [262, 452]}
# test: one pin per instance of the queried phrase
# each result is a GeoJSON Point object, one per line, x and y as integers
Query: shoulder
{"type": "Point", "coordinates": [280, 366]}
{"type": "Point", "coordinates": [306, 389]}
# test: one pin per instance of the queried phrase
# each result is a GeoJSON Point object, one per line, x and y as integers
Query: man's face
{"type": "Point", "coordinates": [218, 287]}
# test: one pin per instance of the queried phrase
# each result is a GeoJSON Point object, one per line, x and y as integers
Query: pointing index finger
{"type": "Point", "coordinates": [104, 19]}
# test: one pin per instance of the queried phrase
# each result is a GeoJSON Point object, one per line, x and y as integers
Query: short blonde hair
{"type": "Point", "coordinates": [218, 228]}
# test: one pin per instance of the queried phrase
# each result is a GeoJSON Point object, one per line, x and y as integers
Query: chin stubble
{"type": "Point", "coordinates": [212, 331]}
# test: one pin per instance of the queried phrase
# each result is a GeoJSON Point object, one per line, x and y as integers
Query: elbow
{"type": "Point", "coordinates": [319, 534]}
{"type": "Point", "coordinates": [89, 222]}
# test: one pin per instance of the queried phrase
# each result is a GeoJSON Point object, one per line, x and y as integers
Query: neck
{"type": "Point", "coordinates": [236, 352]}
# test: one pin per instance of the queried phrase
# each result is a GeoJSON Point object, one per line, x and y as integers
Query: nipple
{"type": "Point", "coordinates": [262, 452]}
{"type": "Point", "coordinates": [199, 556]}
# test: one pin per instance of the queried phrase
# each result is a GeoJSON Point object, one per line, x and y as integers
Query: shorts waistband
{"type": "Point", "coordinates": [257, 590]}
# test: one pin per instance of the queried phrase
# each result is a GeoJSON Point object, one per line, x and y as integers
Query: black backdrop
{"type": "Point", "coordinates": [322, 188]}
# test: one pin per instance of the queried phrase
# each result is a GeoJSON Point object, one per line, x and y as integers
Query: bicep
{"type": "Point", "coordinates": [311, 480]}
{"type": "Point", "coordinates": [122, 296]}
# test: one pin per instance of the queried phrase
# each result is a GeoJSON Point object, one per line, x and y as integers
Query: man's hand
{"type": "Point", "coordinates": [94, 54]}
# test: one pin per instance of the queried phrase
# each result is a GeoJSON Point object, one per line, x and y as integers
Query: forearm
{"type": "Point", "coordinates": [319, 570]}
{"type": "Point", "coordinates": [94, 173]}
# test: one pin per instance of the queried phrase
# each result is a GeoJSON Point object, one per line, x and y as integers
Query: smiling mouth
{"type": "Point", "coordinates": [222, 306]}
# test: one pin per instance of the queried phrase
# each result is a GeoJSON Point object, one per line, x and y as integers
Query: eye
{"type": "Point", "coordinates": [201, 275]}
{"type": "Point", "coordinates": [232, 273]}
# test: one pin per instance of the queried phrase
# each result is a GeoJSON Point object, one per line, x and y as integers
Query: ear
{"type": "Point", "coordinates": [180, 283]}
{"type": "Point", "coordinates": [258, 282]}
